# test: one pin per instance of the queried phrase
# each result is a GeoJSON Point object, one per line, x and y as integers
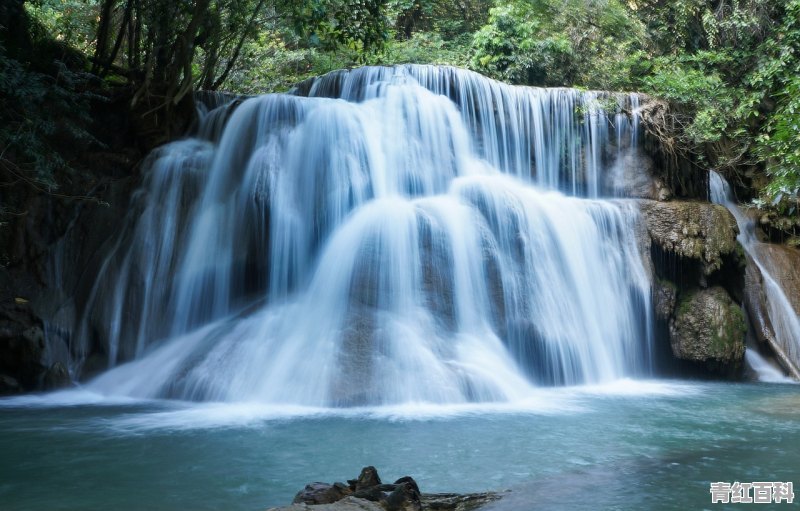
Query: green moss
{"type": "Point", "coordinates": [734, 331]}
{"type": "Point", "coordinates": [667, 284]}
{"type": "Point", "coordinates": [685, 303]}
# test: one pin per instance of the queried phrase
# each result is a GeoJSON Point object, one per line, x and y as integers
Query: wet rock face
{"type": "Point", "coordinates": [664, 298]}
{"type": "Point", "coordinates": [21, 349]}
{"type": "Point", "coordinates": [783, 263]}
{"type": "Point", "coordinates": [322, 493]}
{"type": "Point", "coordinates": [637, 177]}
{"type": "Point", "coordinates": [366, 492]}
{"type": "Point", "coordinates": [698, 285]}
{"type": "Point", "coordinates": [708, 327]}
{"type": "Point", "coordinates": [702, 232]}
{"type": "Point", "coordinates": [346, 504]}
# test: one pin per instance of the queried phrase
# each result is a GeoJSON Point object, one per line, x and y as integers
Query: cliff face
{"type": "Point", "coordinates": [698, 288]}
{"type": "Point", "coordinates": [51, 244]}
{"type": "Point", "coordinates": [770, 318]}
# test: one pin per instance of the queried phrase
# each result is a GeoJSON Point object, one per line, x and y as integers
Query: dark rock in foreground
{"type": "Point", "coordinates": [368, 493]}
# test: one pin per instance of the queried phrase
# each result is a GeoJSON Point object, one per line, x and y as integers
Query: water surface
{"type": "Point", "coordinates": [628, 445]}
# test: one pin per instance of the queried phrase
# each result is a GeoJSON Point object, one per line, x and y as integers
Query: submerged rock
{"type": "Point", "coordinates": [708, 327]}
{"type": "Point", "coordinates": [699, 231]}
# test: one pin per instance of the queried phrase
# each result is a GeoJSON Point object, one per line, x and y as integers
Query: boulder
{"type": "Point", "coordinates": [368, 493]}
{"type": "Point", "coordinates": [366, 479]}
{"type": "Point", "coordinates": [346, 504]}
{"type": "Point", "coordinates": [404, 497]}
{"type": "Point", "coordinates": [322, 493]}
{"type": "Point", "coordinates": [699, 231]}
{"type": "Point", "coordinates": [708, 327]}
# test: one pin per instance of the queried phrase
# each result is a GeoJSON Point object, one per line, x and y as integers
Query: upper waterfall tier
{"type": "Point", "coordinates": [397, 236]}
{"type": "Point", "coordinates": [565, 139]}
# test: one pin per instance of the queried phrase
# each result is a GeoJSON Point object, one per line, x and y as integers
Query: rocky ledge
{"type": "Point", "coordinates": [697, 231]}
{"type": "Point", "coordinates": [368, 493]}
{"type": "Point", "coordinates": [698, 285]}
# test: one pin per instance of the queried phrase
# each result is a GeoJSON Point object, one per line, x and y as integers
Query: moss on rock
{"type": "Point", "coordinates": [708, 327]}
{"type": "Point", "coordinates": [693, 230]}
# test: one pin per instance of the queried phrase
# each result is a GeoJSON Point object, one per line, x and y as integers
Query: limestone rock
{"type": "Point", "coordinates": [783, 264]}
{"type": "Point", "coordinates": [699, 231]}
{"type": "Point", "coordinates": [368, 493]}
{"type": "Point", "coordinates": [366, 479]}
{"type": "Point", "coordinates": [708, 327]}
{"type": "Point", "coordinates": [457, 501]}
{"type": "Point", "coordinates": [322, 493]}
{"type": "Point", "coordinates": [664, 298]}
{"type": "Point", "coordinates": [346, 504]}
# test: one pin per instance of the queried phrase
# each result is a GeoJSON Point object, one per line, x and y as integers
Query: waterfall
{"type": "Point", "coordinates": [380, 235]}
{"type": "Point", "coordinates": [782, 316]}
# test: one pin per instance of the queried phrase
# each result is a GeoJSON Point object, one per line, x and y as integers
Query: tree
{"type": "Point", "coordinates": [551, 42]}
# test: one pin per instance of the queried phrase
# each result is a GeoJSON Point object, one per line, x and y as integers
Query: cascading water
{"type": "Point", "coordinates": [783, 318]}
{"type": "Point", "coordinates": [382, 235]}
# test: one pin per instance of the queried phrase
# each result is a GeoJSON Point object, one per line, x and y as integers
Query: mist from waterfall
{"type": "Point", "coordinates": [381, 235]}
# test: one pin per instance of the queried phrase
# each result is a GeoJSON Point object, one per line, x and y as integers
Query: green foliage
{"type": "Point", "coordinates": [719, 65]}
{"type": "Point", "coordinates": [43, 120]}
{"type": "Point", "coordinates": [446, 19]}
{"type": "Point", "coordinates": [592, 43]}
{"type": "Point", "coordinates": [359, 25]}
{"type": "Point", "coordinates": [73, 22]}
{"type": "Point", "coordinates": [729, 68]}
{"type": "Point", "coordinates": [779, 141]}
{"type": "Point", "coordinates": [709, 104]}
{"type": "Point", "coordinates": [274, 63]}
{"type": "Point", "coordinates": [426, 48]}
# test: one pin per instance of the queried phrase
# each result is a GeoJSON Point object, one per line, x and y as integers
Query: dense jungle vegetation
{"type": "Point", "coordinates": [728, 71]}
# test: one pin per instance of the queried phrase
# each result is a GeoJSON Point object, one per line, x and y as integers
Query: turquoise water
{"type": "Point", "coordinates": [630, 445]}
